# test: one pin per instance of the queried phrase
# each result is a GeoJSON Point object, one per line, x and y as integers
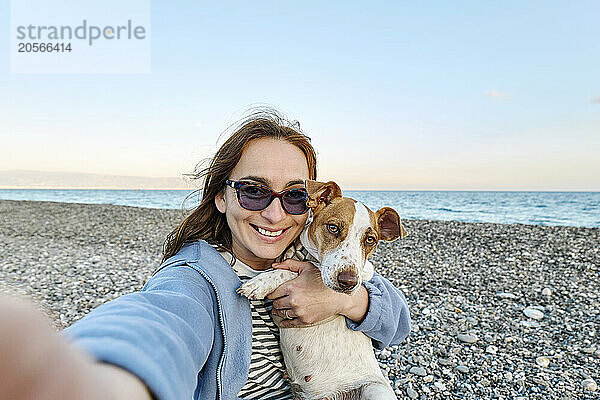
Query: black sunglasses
{"type": "Point", "coordinates": [256, 197]}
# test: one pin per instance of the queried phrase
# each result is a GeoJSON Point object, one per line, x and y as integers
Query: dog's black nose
{"type": "Point", "coordinates": [347, 280]}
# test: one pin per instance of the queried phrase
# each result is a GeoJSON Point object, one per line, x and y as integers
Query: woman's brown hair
{"type": "Point", "coordinates": [206, 222]}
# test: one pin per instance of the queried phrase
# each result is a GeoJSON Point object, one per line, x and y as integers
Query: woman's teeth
{"type": "Point", "coordinates": [269, 233]}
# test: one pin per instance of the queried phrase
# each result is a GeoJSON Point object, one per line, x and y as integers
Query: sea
{"type": "Point", "coordinates": [580, 209]}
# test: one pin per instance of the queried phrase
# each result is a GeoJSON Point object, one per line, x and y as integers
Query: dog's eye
{"type": "Point", "coordinates": [370, 240]}
{"type": "Point", "coordinates": [333, 229]}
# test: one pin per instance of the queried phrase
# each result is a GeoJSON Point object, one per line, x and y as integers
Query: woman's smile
{"type": "Point", "coordinates": [271, 233]}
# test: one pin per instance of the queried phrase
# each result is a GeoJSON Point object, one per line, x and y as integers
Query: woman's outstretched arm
{"type": "Point", "coordinates": [37, 363]}
{"type": "Point", "coordinates": [143, 344]}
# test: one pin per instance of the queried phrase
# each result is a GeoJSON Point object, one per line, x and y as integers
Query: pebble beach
{"type": "Point", "coordinates": [499, 311]}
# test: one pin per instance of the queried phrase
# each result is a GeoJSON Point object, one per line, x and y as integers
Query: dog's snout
{"type": "Point", "coordinates": [347, 280]}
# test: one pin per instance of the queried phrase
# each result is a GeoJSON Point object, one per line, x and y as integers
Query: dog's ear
{"type": "Point", "coordinates": [321, 192]}
{"type": "Point", "coordinates": [388, 222]}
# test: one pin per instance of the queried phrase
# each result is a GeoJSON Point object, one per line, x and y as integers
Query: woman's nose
{"type": "Point", "coordinates": [274, 212]}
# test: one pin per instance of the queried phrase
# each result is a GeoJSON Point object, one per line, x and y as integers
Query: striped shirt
{"type": "Point", "coordinates": [265, 377]}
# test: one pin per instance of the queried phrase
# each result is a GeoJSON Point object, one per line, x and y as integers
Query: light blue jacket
{"type": "Point", "coordinates": [187, 334]}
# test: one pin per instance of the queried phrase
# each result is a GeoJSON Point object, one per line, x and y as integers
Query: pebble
{"type": "Point", "coordinates": [542, 361]}
{"type": "Point", "coordinates": [463, 369]}
{"type": "Point", "coordinates": [412, 393]}
{"type": "Point", "coordinates": [589, 384]}
{"type": "Point", "coordinates": [385, 354]}
{"type": "Point", "coordinates": [418, 371]}
{"type": "Point", "coordinates": [491, 349]}
{"type": "Point", "coordinates": [508, 296]}
{"type": "Point", "coordinates": [533, 313]}
{"type": "Point", "coordinates": [445, 361]}
{"type": "Point", "coordinates": [467, 337]}
{"type": "Point", "coordinates": [546, 292]}
{"type": "Point", "coordinates": [401, 382]}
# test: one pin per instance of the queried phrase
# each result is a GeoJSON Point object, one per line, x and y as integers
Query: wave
{"type": "Point", "coordinates": [450, 210]}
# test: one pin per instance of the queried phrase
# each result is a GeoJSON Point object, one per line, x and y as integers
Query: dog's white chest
{"type": "Point", "coordinates": [328, 355]}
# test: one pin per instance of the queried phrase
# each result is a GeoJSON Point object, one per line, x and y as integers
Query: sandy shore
{"type": "Point", "coordinates": [499, 311]}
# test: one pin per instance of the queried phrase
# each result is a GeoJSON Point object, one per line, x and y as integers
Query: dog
{"type": "Point", "coordinates": [327, 360]}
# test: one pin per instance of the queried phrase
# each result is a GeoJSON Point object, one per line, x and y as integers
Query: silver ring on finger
{"type": "Point", "coordinates": [287, 315]}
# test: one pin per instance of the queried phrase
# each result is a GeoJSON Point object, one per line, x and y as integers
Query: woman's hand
{"type": "Point", "coordinates": [36, 363]}
{"type": "Point", "coordinates": [308, 300]}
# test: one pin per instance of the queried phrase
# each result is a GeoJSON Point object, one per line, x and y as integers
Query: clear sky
{"type": "Point", "coordinates": [395, 95]}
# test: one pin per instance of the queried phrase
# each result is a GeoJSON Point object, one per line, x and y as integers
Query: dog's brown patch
{"type": "Point", "coordinates": [321, 193]}
{"type": "Point", "coordinates": [339, 212]}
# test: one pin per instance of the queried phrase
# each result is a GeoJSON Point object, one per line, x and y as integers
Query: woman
{"type": "Point", "coordinates": [187, 334]}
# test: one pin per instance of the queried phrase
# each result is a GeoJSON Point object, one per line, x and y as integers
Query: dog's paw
{"type": "Point", "coordinates": [261, 285]}
{"type": "Point", "coordinates": [254, 289]}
